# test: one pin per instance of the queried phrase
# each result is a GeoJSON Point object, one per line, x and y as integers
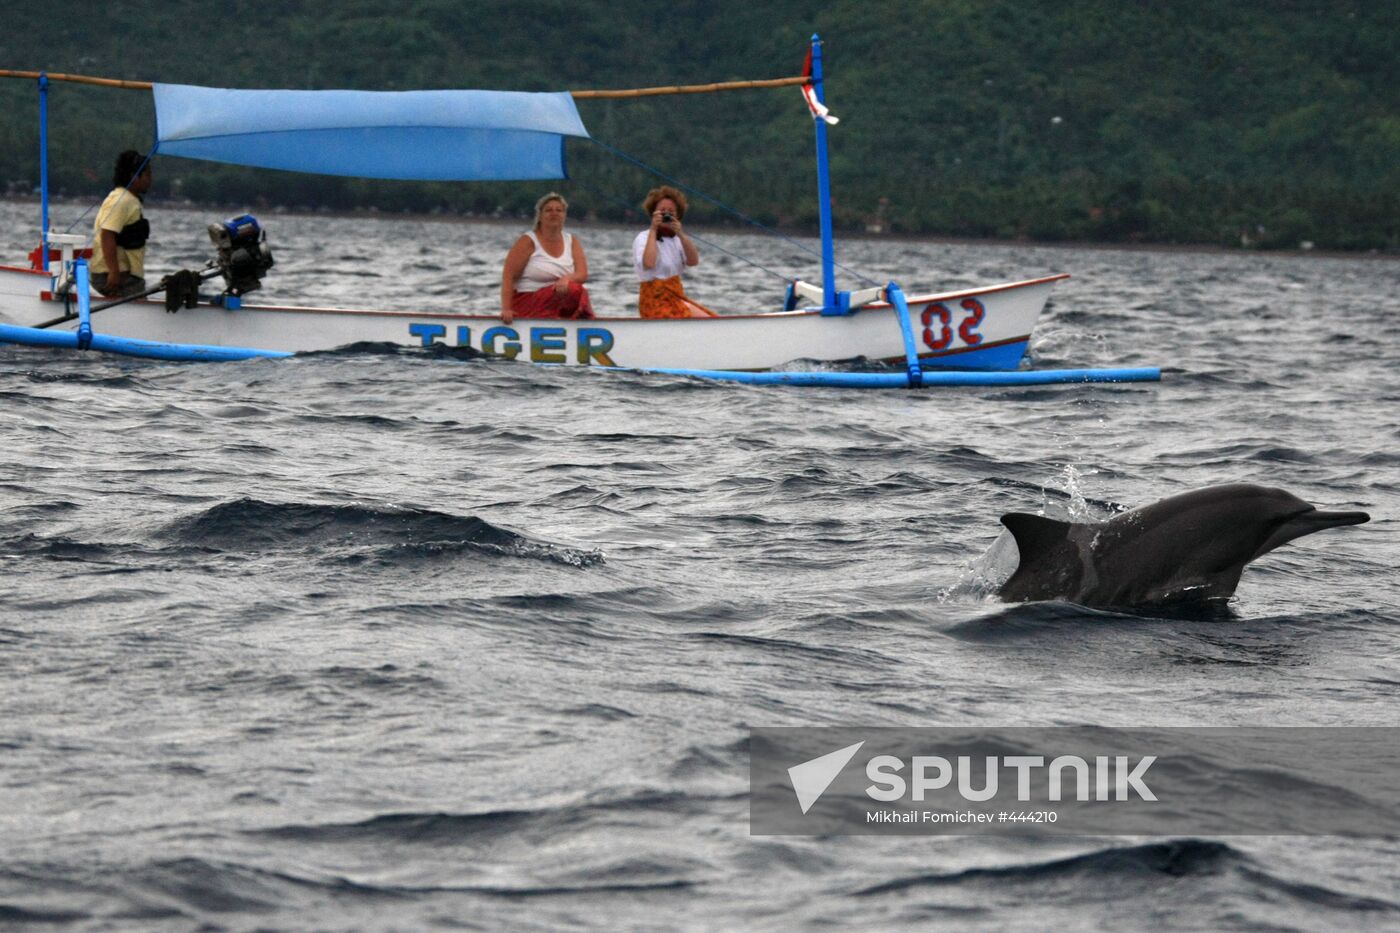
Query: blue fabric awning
{"type": "Point", "coordinates": [426, 135]}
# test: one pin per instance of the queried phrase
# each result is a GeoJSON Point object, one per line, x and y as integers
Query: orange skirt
{"type": "Point", "coordinates": [666, 298]}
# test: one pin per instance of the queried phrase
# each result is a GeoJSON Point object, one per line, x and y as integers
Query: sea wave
{"type": "Point", "coordinates": [1152, 864]}
{"type": "Point", "coordinates": [357, 532]}
{"type": "Point", "coordinates": [1137, 871]}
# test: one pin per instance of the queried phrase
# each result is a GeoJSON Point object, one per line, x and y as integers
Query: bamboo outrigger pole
{"type": "Point", "coordinates": [77, 79]}
{"type": "Point", "coordinates": [691, 88]}
{"type": "Point", "coordinates": [578, 95]}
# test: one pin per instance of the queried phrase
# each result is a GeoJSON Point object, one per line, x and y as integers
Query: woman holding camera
{"type": "Point", "coordinates": [660, 254]}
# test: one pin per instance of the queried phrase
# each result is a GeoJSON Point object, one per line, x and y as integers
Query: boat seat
{"type": "Point", "coordinates": [813, 293]}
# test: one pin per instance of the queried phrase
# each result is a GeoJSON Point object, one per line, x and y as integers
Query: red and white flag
{"type": "Point", "coordinates": [809, 94]}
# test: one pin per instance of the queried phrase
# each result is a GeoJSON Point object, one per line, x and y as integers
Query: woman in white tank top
{"type": "Point", "coordinates": [545, 270]}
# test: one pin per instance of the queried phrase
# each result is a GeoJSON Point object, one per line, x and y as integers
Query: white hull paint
{"type": "Point", "coordinates": [983, 328]}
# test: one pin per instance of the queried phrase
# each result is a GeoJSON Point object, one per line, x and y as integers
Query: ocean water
{"type": "Point", "coordinates": [402, 640]}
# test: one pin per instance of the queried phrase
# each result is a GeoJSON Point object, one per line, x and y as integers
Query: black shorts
{"type": "Point", "coordinates": [130, 285]}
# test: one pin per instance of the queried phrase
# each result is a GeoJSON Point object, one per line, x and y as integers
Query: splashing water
{"type": "Point", "coordinates": [1078, 507]}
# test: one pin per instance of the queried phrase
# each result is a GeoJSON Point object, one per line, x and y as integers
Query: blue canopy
{"type": "Point", "coordinates": [428, 135]}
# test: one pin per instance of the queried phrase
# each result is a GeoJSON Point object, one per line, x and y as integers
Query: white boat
{"type": "Point", "coordinates": [477, 135]}
{"type": "Point", "coordinates": [982, 329]}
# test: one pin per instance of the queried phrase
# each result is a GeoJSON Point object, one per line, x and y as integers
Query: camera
{"type": "Point", "coordinates": [667, 217]}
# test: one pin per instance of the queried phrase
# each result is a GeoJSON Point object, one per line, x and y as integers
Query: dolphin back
{"type": "Point", "coordinates": [1192, 546]}
{"type": "Point", "coordinates": [1051, 565]}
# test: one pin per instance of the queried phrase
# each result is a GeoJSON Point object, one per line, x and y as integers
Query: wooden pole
{"type": "Point", "coordinates": [78, 79]}
{"type": "Point", "coordinates": [578, 95]}
{"type": "Point", "coordinates": [690, 88]}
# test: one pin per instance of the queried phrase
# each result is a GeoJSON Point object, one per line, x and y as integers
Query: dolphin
{"type": "Point", "coordinates": [1185, 548]}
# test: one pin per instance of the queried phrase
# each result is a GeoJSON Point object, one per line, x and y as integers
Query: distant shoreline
{"type": "Point", "coordinates": [862, 235]}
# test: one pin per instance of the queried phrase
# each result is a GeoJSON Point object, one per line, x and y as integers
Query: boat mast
{"type": "Point", "coordinates": [823, 185]}
{"type": "Point", "coordinates": [43, 171]}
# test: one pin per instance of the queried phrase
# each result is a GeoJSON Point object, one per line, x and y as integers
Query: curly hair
{"type": "Point", "coordinates": [655, 195]}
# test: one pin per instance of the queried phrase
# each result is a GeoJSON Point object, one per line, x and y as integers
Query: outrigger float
{"type": "Point", "coordinates": [967, 337]}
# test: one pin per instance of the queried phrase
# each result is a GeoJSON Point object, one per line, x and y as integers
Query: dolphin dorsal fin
{"type": "Point", "coordinates": [1035, 535]}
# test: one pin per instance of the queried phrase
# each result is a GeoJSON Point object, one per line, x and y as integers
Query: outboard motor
{"type": "Point", "coordinates": [244, 256]}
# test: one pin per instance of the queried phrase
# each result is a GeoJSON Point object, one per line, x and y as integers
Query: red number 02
{"type": "Point", "coordinates": [967, 330]}
{"type": "Point", "coordinates": [945, 337]}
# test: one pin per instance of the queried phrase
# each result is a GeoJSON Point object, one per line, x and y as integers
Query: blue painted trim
{"type": "Point", "coordinates": [126, 346]}
{"type": "Point", "coordinates": [83, 286]}
{"type": "Point", "coordinates": [44, 168]}
{"type": "Point", "coordinates": [906, 327]}
{"type": "Point", "coordinates": [901, 380]}
{"type": "Point", "coordinates": [823, 184]}
{"type": "Point", "coordinates": [1004, 356]}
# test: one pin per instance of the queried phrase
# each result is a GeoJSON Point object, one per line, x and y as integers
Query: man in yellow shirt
{"type": "Point", "coordinates": [119, 233]}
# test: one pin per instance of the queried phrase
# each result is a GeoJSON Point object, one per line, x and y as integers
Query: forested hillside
{"type": "Point", "coordinates": [1266, 122]}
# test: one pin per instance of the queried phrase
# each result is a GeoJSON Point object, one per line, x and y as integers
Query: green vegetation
{"type": "Point", "coordinates": [1267, 122]}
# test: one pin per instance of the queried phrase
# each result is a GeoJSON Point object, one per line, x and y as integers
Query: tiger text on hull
{"type": "Point", "coordinates": [584, 346]}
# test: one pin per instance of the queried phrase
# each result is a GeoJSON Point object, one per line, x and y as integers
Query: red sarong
{"type": "Point", "coordinates": [546, 302]}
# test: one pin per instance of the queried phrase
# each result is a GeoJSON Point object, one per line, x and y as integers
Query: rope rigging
{"type": "Point", "coordinates": [731, 210]}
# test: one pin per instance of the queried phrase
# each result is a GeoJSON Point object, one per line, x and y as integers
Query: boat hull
{"type": "Point", "coordinates": [983, 329]}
